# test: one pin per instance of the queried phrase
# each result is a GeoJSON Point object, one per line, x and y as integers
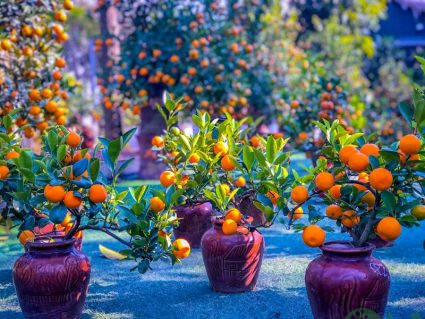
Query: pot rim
{"type": "Point", "coordinates": [346, 247]}
{"type": "Point", "coordinates": [39, 242]}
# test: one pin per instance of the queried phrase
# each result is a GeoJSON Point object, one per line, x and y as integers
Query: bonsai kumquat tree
{"type": "Point", "coordinates": [370, 191]}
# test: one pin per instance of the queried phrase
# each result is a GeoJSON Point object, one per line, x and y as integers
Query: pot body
{"type": "Point", "coordinates": [232, 262]}
{"type": "Point", "coordinates": [195, 220]}
{"type": "Point", "coordinates": [346, 278]}
{"type": "Point", "coordinates": [51, 279]}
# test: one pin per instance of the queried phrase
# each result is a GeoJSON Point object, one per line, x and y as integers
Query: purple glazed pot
{"type": "Point", "coordinates": [232, 262]}
{"type": "Point", "coordinates": [346, 278]}
{"type": "Point", "coordinates": [195, 220]}
{"type": "Point", "coordinates": [51, 279]}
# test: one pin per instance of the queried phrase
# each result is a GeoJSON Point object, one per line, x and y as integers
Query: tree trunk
{"type": "Point", "coordinates": [152, 124]}
{"type": "Point", "coordinates": [112, 117]}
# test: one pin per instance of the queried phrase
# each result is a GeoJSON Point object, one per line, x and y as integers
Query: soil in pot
{"type": "Point", "coordinates": [195, 220]}
{"type": "Point", "coordinates": [346, 278]}
{"type": "Point", "coordinates": [51, 279]}
{"type": "Point", "coordinates": [232, 262]}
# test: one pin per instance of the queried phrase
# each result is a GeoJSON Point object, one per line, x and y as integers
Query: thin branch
{"type": "Point", "coordinates": [108, 232]}
{"type": "Point", "coordinates": [299, 205]}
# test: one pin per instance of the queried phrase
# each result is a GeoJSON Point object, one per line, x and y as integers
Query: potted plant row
{"type": "Point", "coordinates": [61, 192]}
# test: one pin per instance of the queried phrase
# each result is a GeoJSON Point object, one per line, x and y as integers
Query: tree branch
{"type": "Point", "coordinates": [108, 232]}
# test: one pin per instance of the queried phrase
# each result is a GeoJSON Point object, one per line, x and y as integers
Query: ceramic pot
{"type": "Point", "coordinates": [195, 220]}
{"type": "Point", "coordinates": [51, 279]}
{"type": "Point", "coordinates": [344, 279]}
{"type": "Point", "coordinates": [232, 262]}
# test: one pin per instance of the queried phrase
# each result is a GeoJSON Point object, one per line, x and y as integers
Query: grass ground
{"type": "Point", "coordinates": [183, 291]}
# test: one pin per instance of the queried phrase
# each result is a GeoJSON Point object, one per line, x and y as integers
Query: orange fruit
{"type": "Point", "coordinates": [158, 141]}
{"type": "Point", "coordinates": [324, 181]}
{"type": "Point", "coordinates": [240, 182]}
{"type": "Point", "coordinates": [6, 44]}
{"type": "Point", "coordinates": [295, 104]}
{"type": "Point", "coordinates": [273, 196]}
{"type": "Point", "coordinates": [4, 172]}
{"type": "Point", "coordinates": [57, 75]}
{"type": "Point", "coordinates": [29, 132]}
{"type": "Point", "coordinates": [335, 191]}
{"type": "Point", "coordinates": [60, 16]}
{"type": "Point", "coordinates": [299, 194]}
{"type": "Point", "coordinates": [314, 236]}
{"type": "Point", "coordinates": [358, 162]}
{"type": "Point", "coordinates": [46, 93]}
{"type": "Point", "coordinates": [167, 178]}
{"type": "Point", "coordinates": [51, 106]}
{"type": "Point", "coordinates": [68, 4]}
{"type": "Point", "coordinates": [181, 248]}
{"type": "Point", "coordinates": [34, 110]}
{"type": "Point", "coordinates": [346, 152]}
{"type": "Point", "coordinates": [73, 139]}
{"type": "Point", "coordinates": [388, 228]}
{"type": "Point", "coordinates": [54, 194]}
{"type": "Point", "coordinates": [350, 219]}
{"type": "Point", "coordinates": [227, 163]}
{"type": "Point", "coordinates": [369, 199]}
{"type": "Point", "coordinates": [370, 149]}
{"type": "Point", "coordinates": [221, 148]}
{"type": "Point", "coordinates": [229, 227]}
{"type": "Point", "coordinates": [25, 236]}
{"type": "Point", "coordinates": [255, 141]}
{"type": "Point", "coordinates": [419, 212]}
{"type": "Point", "coordinates": [233, 214]}
{"type": "Point", "coordinates": [97, 193]}
{"type": "Point", "coordinates": [194, 158]}
{"type": "Point", "coordinates": [71, 201]}
{"type": "Point", "coordinates": [333, 211]}
{"type": "Point", "coordinates": [298, 213]}
{"type": "Point", "coordinates": [157, 204]}
{"type": "Point", "coordinates": [78, 157]}
{"type": "Point", "coordinates": [12, 154]}
{"type": "Point", "coordinates": [381, 179]}
{"type": "Point", "coordinates": [60, 62]}
{"type": "Point", "coordinates": [410, 144]}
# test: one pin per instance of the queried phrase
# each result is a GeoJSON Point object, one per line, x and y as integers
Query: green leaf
{"type": "Point", "coordinates": [52, 140]}
{"type": "Point", "coordinates": [389, 200]}
{"type": "Point", "coordinates": [271, 149]}
{"type": "Point", "coordinates": [58, 213]}
{"type": "Point", "coordinates": [406, 111]}
{"type": "Point", "coordinates": [248, 156]}
{"type": "Point", "coordinates": [114, 150]}
{"type": "Point", "coordinates": [7, 121]}
{"type": "Point", "coordinates": [127, 136]}
{"type": "Point", "coordinates": [61, 152]}
{"type": "Point", "coordinates": [94, 168]}
{"type": "Point", "coordinates": [25, 161]}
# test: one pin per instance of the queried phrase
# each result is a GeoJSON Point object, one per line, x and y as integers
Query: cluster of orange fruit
{"type": "Point", "coordinates": [380, 179]}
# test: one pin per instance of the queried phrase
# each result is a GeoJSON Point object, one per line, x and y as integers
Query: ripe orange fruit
{"type": "Point", "coordinates": [273, 196]}
{"type": "Point", "coordinates": [34, 110]}
{"type": "Point", "coordinates": [335, 191]}
{"type": "Point", "coordinates": [298, 213]}
{"type": "Point", "coordinates": [29, 132]}
{"type": "Point", "coordinates": [60, 62]}
{"type": "Point", "coordinates": [60, 16]}
{"type": "Point", "coordinates": [73, 139]}
{"type": "Point", "coordinates": [229, 227]}
{"type": "Point", "coordinates": [71, 201]}
{"type": "Point", "coordinates": [57, 75]}
{"type": "Point", "coordinates": [388, 228]}
{"type": "Point", "coordinates": [295, 104]}
{"type": "Point", "coordinates": [314, 236]}
{"type": "Point", "coordinates": [370, 149]}
{"type": "Point", "coordinates": [157, 204]}
{"type": "Point", "coordinates": [240, 182]}
{"type": "Point", "coordinates": [221, 148]}
{"type": "Point", "coordinates": [54, 194]}
{"type": "Point", "coordinates": [78, 157]}
{"type": "Point", "coordinates": [358, 162]}
{"type": "Point", "coordinates": [97, 193]}
{"type": "Point", "coordinates": [324, 181]}
{"type": "Point", "coordinates": [181, 248]}
{"type": "Point", "coordinates": [47, 93]}
{"type": "Point", "coordinates": [25, 236]}
{"type": "Point", "coordinates": [227, 163]}
{"type": "Point", "coordinates": [234, 214]}
{"type": "Point", "coordinates": [299, 194]}
{"type": "Point", "coordinates": [346, 152]}
{"type": "Point", "coordinates": [255, 141]}
{"type": "Point", "coordinates": [167, 178]}
{"type": "Point", "coordinates": [158, 141]}
{"type": "Point", "coordinates": [68, 4]}
{"type": "Point", "coordinates": [51, 106]}
{"type": "Point", "coordinates": [6, 44]}
{"type": "Point", "coordinates": [381, 179]}
{"type": "Point", "coordinates": [410, 144]}
{"type": "Point", "coordinates": [369, 199]}
{"type": "Point", "coordinates": [333, 211]}
{"type": "Point", "coordinates": [194, 158]}
{"type": "Point", "coordinates": [419, 212]}
{"type": "Point", "coordinates": [12, 154]}
{"type": "Point", "coordinates": [350, 219]}
{"type": "Point", "coordinates": [4, 172]}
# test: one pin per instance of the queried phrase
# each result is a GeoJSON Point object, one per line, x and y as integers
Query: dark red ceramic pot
{"type": "Point", "coordinates": [51, 279]}
{"type": "Point", "coordinates": [247, 207]}
{"type": "Point", "coordinates": [346, 278]}
{"type": "Point", "coordinates": [232, 262]}
{"type": "Point", "coordinates": [78, 244]}
{"type": "Point", "coordinates": [195, 220]}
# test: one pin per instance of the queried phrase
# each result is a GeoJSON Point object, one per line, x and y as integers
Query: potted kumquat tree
{"type": "Point", "coordinates": [67, 191]}
{"type": "Point", "coordinates": [371, 191]}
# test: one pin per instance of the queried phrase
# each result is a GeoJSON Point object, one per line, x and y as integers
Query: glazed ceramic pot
{"type": "Point", "coordinates": [51, 279]}
{"type": "Point", "coordinates": [247, 207]}
{"type": "Point", "coordinates": [346, 278]}
{"type": "Point", "coordinates": [195, 220]}
{"type": "Point", "coordinates": [232, 262]}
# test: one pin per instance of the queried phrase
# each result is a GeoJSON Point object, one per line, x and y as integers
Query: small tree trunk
{"type": "Point", "coordinates": [152, 124]}
{"type": "Point", "coordinates": [112, 117]}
